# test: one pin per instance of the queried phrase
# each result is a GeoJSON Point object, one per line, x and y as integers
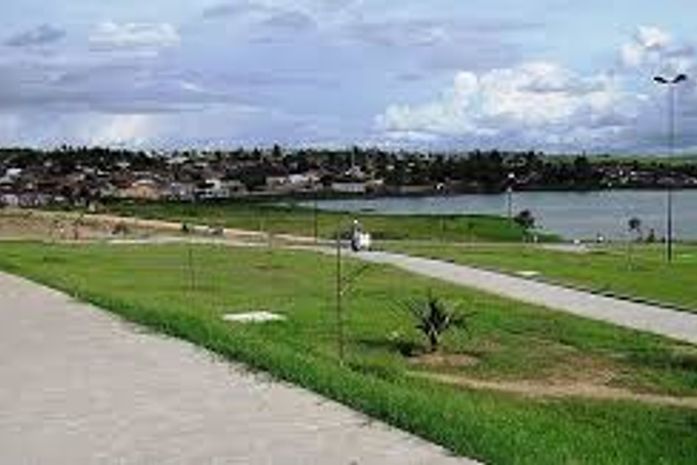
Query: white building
{"type": "Point", "coordinates": [350, 187]}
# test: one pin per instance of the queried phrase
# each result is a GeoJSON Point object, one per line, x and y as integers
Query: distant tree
{"type": "Point", "coordinates": [253, 177]}
{"type": "Point", "coordinates": [634, 226]}
{"type": "Point", "coordinates": [651, 238]}
{"type": "Point", "coordinates": [525, 220]}
{"type": "Point", "coordinates": [398, 176]}
{"type": "Point", "coordinates": [583, 171]}
{"type": "Point", "coordinates": [276, 152]}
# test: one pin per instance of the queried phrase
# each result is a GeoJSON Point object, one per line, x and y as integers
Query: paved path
{"type": "Point", "coordinates": [675, 324]}
{"type": "Point", "coordinates": [78, 386]}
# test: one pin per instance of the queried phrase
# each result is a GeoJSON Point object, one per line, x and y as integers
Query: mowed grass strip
{"type": "Point", "coordinates": [640, 272]}
{"type": "Point", "coordinates": [290, 218]}
{"type": "Point", "coordinates": [157, 287]}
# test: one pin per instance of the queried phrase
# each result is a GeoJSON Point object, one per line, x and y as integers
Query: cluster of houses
{"type": "Point", "coordinates": [633, 176]}
{"type": "Point", "coordinates": [175, 178]}
{"type": "Point", "coordinates": [73, 176]}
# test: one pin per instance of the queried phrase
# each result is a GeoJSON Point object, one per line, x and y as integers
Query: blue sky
{"type": "Point", "coordinates": [551, 75]}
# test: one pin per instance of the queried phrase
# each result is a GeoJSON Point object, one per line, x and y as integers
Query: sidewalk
{"type": "Point", "coordinates": [80, 387]}
{"type": "Point", "coordinates": [658, 320]}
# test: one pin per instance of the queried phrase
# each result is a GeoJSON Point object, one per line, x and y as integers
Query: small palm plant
{"type": "Point", "coordinates": [433, 318]}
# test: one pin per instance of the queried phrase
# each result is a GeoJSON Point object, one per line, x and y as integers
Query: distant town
{"type": "Point", "coordinates": [81, 176]}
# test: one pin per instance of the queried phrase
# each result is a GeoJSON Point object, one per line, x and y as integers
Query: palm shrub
{"type": "Point", "coordinates": [433, 318]}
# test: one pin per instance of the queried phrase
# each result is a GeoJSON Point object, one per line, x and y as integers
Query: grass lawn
{"type": "Point", "coordinates": [155, 286]}
{"type": "Point", "coordinates": [646, 275]}
{"type": "Point", "coordinates": [293, 219]}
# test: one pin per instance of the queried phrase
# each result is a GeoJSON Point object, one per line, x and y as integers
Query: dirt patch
{"type": "Point", "coordinates": [442, 360]}
{"type": "Point", "coordinates": [23, 225]}
{"type": "Point", "coordinates": [579, 369]}
{"type": "Point", "coordinates": [71, 226]}
{"type": "Point", "coordinates": [59, 226]}
{"type": "Point", "coordinates": [560, 389]}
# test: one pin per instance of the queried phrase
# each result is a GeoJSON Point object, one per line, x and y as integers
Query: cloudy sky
{"type": "Point", "coordinates": [541, 74]}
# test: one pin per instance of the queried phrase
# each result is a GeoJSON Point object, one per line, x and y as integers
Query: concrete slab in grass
{"type": "Point", "coordinates": [253, 317]}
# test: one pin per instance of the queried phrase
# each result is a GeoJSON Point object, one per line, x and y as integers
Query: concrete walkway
{"type": "Point", "coordinates": [674, 324]}
{"type": "Point", "coordinates": [77, 386]}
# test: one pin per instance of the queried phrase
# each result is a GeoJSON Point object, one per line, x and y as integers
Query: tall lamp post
{"type": "Point", "coordinates": [671, 83]}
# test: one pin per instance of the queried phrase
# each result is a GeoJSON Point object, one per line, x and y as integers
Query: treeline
{"type": "Point", "coordinates": [454, 171]}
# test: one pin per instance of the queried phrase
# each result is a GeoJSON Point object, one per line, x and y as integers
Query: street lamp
{"type": "Point", "coordinates": [509, 194]}
{"type": "Point", "coordinates": [671, 83]}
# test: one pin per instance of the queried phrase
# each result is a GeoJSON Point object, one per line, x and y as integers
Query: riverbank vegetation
{"type": "Point", "coordinates": [291, 218]}
{"type": "Point", "coordinates": [618, 397]}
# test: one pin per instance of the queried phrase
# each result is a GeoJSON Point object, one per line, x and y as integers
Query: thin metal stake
{"type": "Point", "coordinates": [339, 295]}
{"type": "Point", "coordinates": [192, 273]}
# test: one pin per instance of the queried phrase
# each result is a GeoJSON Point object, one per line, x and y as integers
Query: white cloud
{"type": "Point", "coordinates": [652, 37]}
{"type": "Point", "coordinates": [222, 10]}
{"type": "Point", "coordinates": [43, 35]}
{"type": "Point", "coordinates": [653, 48]}
{"type": "Point", "coordinates": [537, 100]}
{"type": "Point", "coordinates": [112, 130]}
{"type": "Point", "coordinates": [88, 128]}
{"type": "Point", "coordinates": [150, 36]}
{"type": "Point", "coordinates": [632, 55]}
{"type": "Point", "coordinates": [646, 46]}
{"type": "Point", "coordinates": [547, 105]}
{"type": "Point", "coordinates": [9, 127]}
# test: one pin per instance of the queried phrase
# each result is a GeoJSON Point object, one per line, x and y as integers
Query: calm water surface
{"type": "Point", "coordinates": [574, 215]}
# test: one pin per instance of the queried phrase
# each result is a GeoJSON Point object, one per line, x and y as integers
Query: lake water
{"type": "Point", "coordinates": [580, 215]}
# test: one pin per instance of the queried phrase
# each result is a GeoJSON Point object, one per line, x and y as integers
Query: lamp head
{"type": "Point", "coordinates": [680, 78]}
{"type": "Point", "coordinates": [660, 80]}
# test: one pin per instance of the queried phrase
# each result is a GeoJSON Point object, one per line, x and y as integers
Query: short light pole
{"type": "Point", "coordinates": [671, 83]}
{"type": "Point", "coordinates": [315, 213]}
{"type": "Point", "coordinates": [509, 196]}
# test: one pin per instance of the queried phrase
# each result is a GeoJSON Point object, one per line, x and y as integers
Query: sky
{"type": "Point", "coordinates": [552, 75]}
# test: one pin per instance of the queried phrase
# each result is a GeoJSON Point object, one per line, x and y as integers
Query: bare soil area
{"type": "Point", "coordinates": [559, 388]}
{"type": "Point", "coordinates": [72, 226]}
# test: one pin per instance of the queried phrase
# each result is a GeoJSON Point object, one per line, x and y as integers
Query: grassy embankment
{"type": "Point", "coordinates": [641, 274]}
{"type": "Point", "coordinates": [154, 285]}
{"type": "Point", "coordinates": [646, 276]}
{"type": "Point", "coordinates": [297, 220]}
